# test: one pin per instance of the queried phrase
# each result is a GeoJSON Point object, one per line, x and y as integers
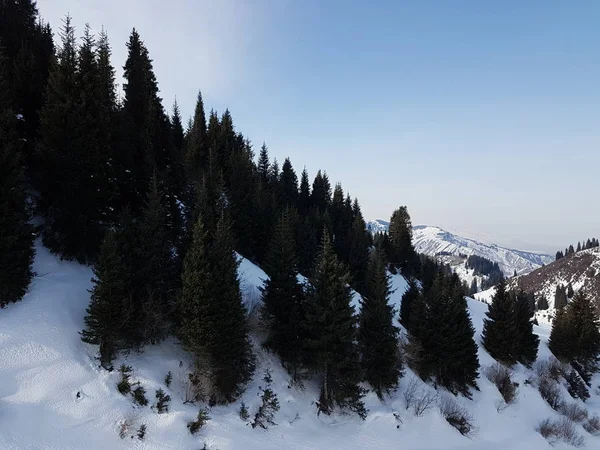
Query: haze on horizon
{"type": "Point", "coordinates": [481, 117]}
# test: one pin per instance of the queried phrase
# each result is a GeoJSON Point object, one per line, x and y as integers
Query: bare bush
{"type": "Point", "coordinates": [419, 399]}
{"type": "Point", "coordinates": [500, 376]}
{"type": "Point", "coordinates": [573, 411]}
{"type": "Point", "coordinates": [457, 416]}
{"type": "Point", "coordinates": [592, 426]}
{"type": "Point", "coordinates": [193, 383]}
{"type": "Point", "coordinates": [561, 430]}
{"type": "Point", "coordinates": [549, 391]}
{"type": "Point", "coordinates": [551, 368]}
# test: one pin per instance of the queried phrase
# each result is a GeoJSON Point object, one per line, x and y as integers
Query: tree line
{"type": "Point", "coordinates": [582, 245]}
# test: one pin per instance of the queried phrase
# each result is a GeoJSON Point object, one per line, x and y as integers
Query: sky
{"type": "Point", "coordinates": [482, 117]}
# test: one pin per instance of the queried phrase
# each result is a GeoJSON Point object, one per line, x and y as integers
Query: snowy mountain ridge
{"type": "Point", "coordinates": [434, 241]}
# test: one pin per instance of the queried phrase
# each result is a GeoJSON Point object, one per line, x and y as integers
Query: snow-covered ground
{"type": "Point", "coordinates": [44, 365]}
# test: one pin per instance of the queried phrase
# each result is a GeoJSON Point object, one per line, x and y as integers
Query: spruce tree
{"type": "Point", "coordinates": [377, 334]}
{"type": "Point", "coordinates": [197, 151]}
{"type": "Point", "coordinates": [226, 319]}
{"type": "Point", "coordinates": [330, 327]}
{"type": "Point", "coordinates": [410, 298]}
{"type": "Point", "coordinates": [563, 336]}
{"type": "Point", "coordinates": [195, 291]}
{"type": "Point", "coordinates": [499, 326]}
{"type": "Point", "coordinates": [401, 252]}
{"type": "Point", "coordinates": [449, 351]}
{"type": "Point", "coordinates": [358, 242]}
{"type": "Point", "coordinates": [304, 195]}
{"type": "Point", "coordinates": [282, 297]}
{"type": "Point", "coordinates": [107, 312]}
{"type": "Point", "coordinates": [288, 182]}
{"type": "Point", "coordinates": [263, 165]}
{"type": "Point", "coordinates": [16, 233]}
{"type": "Point", "coordinates": [155, 278]}
{"type": "Point", "coordinates": [525, 341]}
{"type": "Point", "coordinates": [560, 297]}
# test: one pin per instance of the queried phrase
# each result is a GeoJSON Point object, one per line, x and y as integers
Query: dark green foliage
{"type": "Point", "coordinates": [442, 336]}
{"type": "Point", "coordinates": [525, 342]}
{"type": "Point", "coordinates": [576, 386]}
{"type": "Point", "coordinates": [542, 303]}
{"type": "Point", "coordinates": [124, 385]}
{"type": "Point", "coordinates": [499, 327]}
{"type": "Point", "coordinates": [75, 179]}
{"type": "Point", "coordinates": [575, 335]}
{"type": "Point", "coordinates": [196, 148]}
{"type": "Point", "coordinates": [560, 297]}
{"type": "Point", "coordinates": [213, 316]}
{"type": "Point", "coordinates": [16, 234]}
{"type": "Point", "coordinates": [401, 252]}
{"type": "Point", "coordinates": [490, 269]}
{"type": "Point", "coordinates": [141, 432]}
{"type": "Point", "coordinates": [377, 335]}
{"type": "Point", "coordinates": [201, 419]}
{"type": "Point", "coordinates": [358, 243]}
{"type": "Point", "coordinates": [162, 401]}
{"type": "Point", "coordinates": [320, 196]}
{"type": "Point", "coordinates": [559, 255]}
{"type": "Point", "coordinates": [330, 327]}
{"type": "Point", "coordinates": [139, 396]}
{"type": "Point", "coordinates": [282, 297]}
{"type": "Point", "coordinates": [269, 406]}
{"type": "Point", "coordinates": [409, 300]}
{"type": "Point", "coordinates": [107, 312]}
{"type": "Point", "coordinates": [288, 185]}
{"type": "Point", "coordinates": [243, 412]}
{"type": "Point", "coordinates": [168, 379]}
{"type": "Point", "coordinates": [570, 292]}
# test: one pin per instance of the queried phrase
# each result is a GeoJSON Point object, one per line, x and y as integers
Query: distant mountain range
{"type": "Point", "coordinates": [436, 242]}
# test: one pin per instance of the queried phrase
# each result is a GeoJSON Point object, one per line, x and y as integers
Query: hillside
{"type": "Point", "coordinates": [581, 270]}
{"type": "Point", "coordinates": [54, 396]}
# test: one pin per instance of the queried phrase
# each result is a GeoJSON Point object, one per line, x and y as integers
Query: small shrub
{"type": "Point", "coordinates": [139, 396]}
{"type": "Point", "coordinates": [419, 399]}
{"type": "Point", "coordinates": [269, 406]}
{"type": "Point", "coordinates": [162, 404]}
{"type": "Point", "coordinates": [410, 392]}
{"type": "Point", "coordinates": [500, 376]}
{"type": "Point", "coordinates": [243, 412]}
{"type": "Point", "coordinates": [576, 386]}
{"type": "Point", "coordinates": [141, 432]}
{"type": "Point", "coordinates": [124, 386]}
{"type": "Point", "coordinates": [195, 425]}
{"type": "Point", "coordinates": [563, 429]}
{"type": "Point", "coordinates": [457, 416]}
{"type": "Point", "coordinates": [124, 427]}
{"type": "Point", "coordinates": [550, 392]}
{"type": "Point", "coordinates": [573, 411]}
{"type": "Point", "coordinates": [592, 426]}
{"type": "Point", "coordinates": [168, 379]}
{"type": "Point", "coordinates": [552, 368]}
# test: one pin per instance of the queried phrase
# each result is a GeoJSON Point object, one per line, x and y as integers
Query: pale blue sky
{"type": "Point", "coordinates": [482, 117]}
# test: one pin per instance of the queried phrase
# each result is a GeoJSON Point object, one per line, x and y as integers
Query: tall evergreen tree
{"type": "Point", "coordinates": [330, 327]}
{"type": "Point", "coordinates": [282, 297]}
{"type": "Point", "coordinates": [226, 322]}
{"type": "Point", "coordinates": [499, 327]}
{"type": "Point", "coordinates": [288, 181]}
{"type": "Point", "coordinates": [525, 341]}
{"type": "Point", "coordinates": [16, 234]}
{"type": "Point", "coordinates": [401, 252]}
{"type": "Point", "coordinates": [195, 291]}
{"type": "Point", "coordinates": [575, 335]}
{"type": "Point", "coordinates": [197, 145]}
{"type": "Point", "coordinates": [263, 166]}
{"type": "Point", "coordinates": [560, 297]}
{"type": "Point", "coordinates": [320, 196]}
{"type": "Point", "coordinates": [358, 244]}
{"type": "Point", "coordinates": [108, 312]}
{"type": "Point", "coordinates": [410, 298]}
{"type": "Point", "coordinates": [377, 335]}
{"type": "Point", "coordinates": [304, 195]}
{"type": "Point", "coordinates": [155, 278]}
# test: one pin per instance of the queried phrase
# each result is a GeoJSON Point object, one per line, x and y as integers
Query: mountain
{"type": "Point", "coordinates": [50, 379]}
{"type": "Point", "coordinates": [378, 226]}
{"type": "Point", "coordinates": [581, 270]}
{"type": "Point", "coordinates": [434, 241]}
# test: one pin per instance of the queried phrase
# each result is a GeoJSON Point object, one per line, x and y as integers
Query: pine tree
{"type": "Point", "coordinates": [410, 298]}
{"type": "Point", "coordinates": [499, 327]}
{"type": "Point", "coordinates": [562, 336]}
{"type": "Point", "coordinates": [449, 351]}
{"type": "Point", "coordinates": [320, 196]}
{"type": "Point", "coordinates": [288, 182]}
{"type": "Point", "coordinates": [402, 253]}
{"type": "Point", "coordinates": [195, 291]}
{"type": "Point", "coordinates": [263, 166]}
{"type": "Point", "coordinates": [542, 303]}
{"type": "Point", "coordinates": [359, 244]}
{"type": "Point", "coordinates": [330, 327]}
{"type": "Point", "coordinates": [197, 148]}
{"type": "Point", "coordinates": [570, 291]}
{"type": "Point", "coordinates": [377, 335]}
{"type": "Point", "coordinates": [155, 278]}
{"type": "Point", "coordinates": [525, 341]}
{"type": "Point", "coordinates": [107, 312]}
{"type": "Point", "coordinates": [560, 297]}
{"type": "Point", "coordinates": [144, 128]}
{"type": "Point", "coordinates": [304, 196]}
{"type": "Point", "coordinates": [282, 297]}
{"type": "Point", "coordinates": [16, 234]}
{"type": "Point", "coordinates": [226, 323]}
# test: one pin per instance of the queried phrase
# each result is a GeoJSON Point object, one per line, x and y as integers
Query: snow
{"type": "Point", "coordinates": [44, 364]}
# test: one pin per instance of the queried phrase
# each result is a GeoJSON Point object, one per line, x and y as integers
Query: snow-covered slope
{"type": "Point", "coordinates": [378, 226]}
{"type": "Point", "coordinates": [44, 365]}
{"type": "Point", "coordinates": [433, 241]}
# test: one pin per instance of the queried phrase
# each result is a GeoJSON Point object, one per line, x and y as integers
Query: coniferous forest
{"type": "Point", "coordinates": [161, 212]}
